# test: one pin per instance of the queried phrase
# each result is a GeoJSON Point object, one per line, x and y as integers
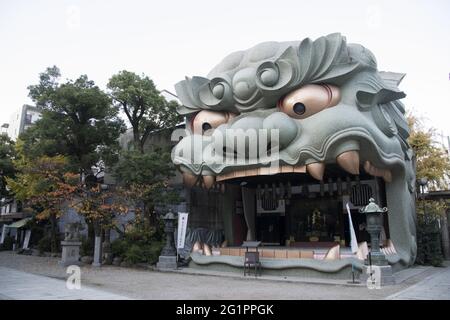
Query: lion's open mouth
{"type": "Point", "coordinates": [338, 160]}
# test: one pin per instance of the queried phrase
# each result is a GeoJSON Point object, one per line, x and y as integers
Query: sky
{"type": "Point", "coordinates": [168, 40]}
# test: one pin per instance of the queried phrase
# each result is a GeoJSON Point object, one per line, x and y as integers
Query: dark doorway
{"type": "Point", "coordinates": [270, 228]}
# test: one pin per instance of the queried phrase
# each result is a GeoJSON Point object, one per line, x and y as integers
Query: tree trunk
{"type": "Point", "coordinates": [445, 236]}
{"type": "Point", "coordinates": [53, 234]}
{"type": "Point", "coordinates": [137, 140]}
{"type": "Point", "coordinates": [90, 237]}
{"type": "Point", "coordinates": [97, 229]}
{"type": "Point", "coordinates": [149, 215]}
{"type": "Point", "coordinates": [107, 256]}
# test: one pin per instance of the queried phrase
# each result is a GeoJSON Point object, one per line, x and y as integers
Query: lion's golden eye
{"type": "Point", "coordinates": [206, 120]}
{"type": "Point", "coordinates": [309, 99]}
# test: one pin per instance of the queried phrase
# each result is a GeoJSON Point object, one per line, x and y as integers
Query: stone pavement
{"type": "Point", "coordinates": [18, 285]}
{"type": "Point", "coordinates": [434, 287]}
{"type": "Point", "coordinates": [32, 277]}
{"type": "Point", "coordinates": [400, 276]}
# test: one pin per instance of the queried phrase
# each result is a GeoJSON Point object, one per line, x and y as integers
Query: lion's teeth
{"type": "Point", "coordinates": [209, 181]}
{"type": "Point", "coordinates": [189, 179]}
{"type": "Point", "coordinates": [316, 170]}
{"type": "Point", "coordinates": [377, 172]}
{"type": "Point", "coordinates": [349, 161]}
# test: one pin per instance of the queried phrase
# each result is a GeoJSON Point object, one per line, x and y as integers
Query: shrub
{"type": "Point", "coordinates": [139, 244]}
{"type": "Point", "coordinates": [7, 243]}
{"type": "Point", "coordinates": [152, 251]}
{"type": "Point", "coordinates": [119, 247]}
{"type": "Point", "coordinates": [37, 233]}
{"type": "Point", "coordinates": [87, 247]}
{"type": "Point", "coordinates": [428, 243]}
{"type": "Point", "coordinates": [44, 244]}
{"type": "Point", "coordinates": [144, 234]}
{"type": "Point", "coordinates": [134, 254]}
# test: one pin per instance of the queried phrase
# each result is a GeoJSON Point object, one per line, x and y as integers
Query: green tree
{"type": "Point", "coordinates": [7, 170]}
{"type": "Point", "coordinates": [143, 172]}
{"type": "Point", "coordinates": [78, 121]}
{"type": "Point", "coordinates": [145, 108]}
{"type": "Point", "coordinates": [432, 163]}
{"type": "Point", "coordinates": [145, 182]}
{"type": "Point", "coordinates": [46, 185]}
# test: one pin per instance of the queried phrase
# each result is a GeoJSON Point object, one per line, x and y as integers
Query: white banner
{"type": "Point", "coordinates": [27, 239]}
{"type": "Point", "coordinates": [353, 241]}
{"type": "Point", "coordinates": [182, 225]}
{"type": "Point", "coordinates": [4, 232]}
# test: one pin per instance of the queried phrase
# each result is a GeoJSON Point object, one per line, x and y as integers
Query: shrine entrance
{"type": "Point", "coordinates": [270, 229]}
{"type": "Point", "coordinates": [294, 210]}
{"type": "Point", "coordinates": [320, 222]}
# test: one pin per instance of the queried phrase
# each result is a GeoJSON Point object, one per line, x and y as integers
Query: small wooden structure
{"type": "Point", "coordinates": [251, 258]}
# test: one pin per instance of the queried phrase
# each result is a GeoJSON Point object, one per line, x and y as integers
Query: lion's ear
{"type": "Point", "coordinates": [199, 93]}
{"type": "Point", "coordinates": [187, 91]}
{"type": "Point", "coordinates": [394, 78]}
{"type": "Point", "coordinates": [375, 90]}
{"type": "Point", "coordinates": [369, 98]}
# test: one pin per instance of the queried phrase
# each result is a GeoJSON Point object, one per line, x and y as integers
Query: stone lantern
{"type": "Point", "coordinates": [374, 221]}
{"type": "Point", "coordinates": [168, 257]}
{"type": "Point", "coordinates": [71, 245]}
{"type": "Point", "coordinates": [376, 271]}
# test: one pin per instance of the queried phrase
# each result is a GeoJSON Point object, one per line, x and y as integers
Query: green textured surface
{"type": "Point", "coordinates": [337, 269]}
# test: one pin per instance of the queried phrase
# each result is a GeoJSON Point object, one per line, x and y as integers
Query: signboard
{"type": "Point", "coordinates": [182, 226]}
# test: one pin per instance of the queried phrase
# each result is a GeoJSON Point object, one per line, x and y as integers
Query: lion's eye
{"type": "Point", "coordinates": [206, 120]}
{"type": "Point", "coordinates": [206, 126]}
{"type": "Point", "coordinates": [299, 108]}
{"type": "Point", "coordinates": [308, 100]}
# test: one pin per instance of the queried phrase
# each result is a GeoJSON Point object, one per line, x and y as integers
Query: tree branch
{"type": "Point", "coordinates": [127, 112]}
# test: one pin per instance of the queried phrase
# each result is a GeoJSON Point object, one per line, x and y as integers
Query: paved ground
{"type": "Point", "coordinates": [19, 285]}
{"type": "Point", "coordinates": [434, 287]}
{"type": "Point", "coordinates": [42, 277]}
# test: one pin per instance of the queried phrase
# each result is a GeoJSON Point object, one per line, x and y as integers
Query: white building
{"type": "Point", "coordinates": [22, 119]}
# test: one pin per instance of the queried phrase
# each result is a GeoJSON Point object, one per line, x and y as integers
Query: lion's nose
{"type": "Point", "coordinates": [287, 128]}
{"type": "Point", "coordinates": [253, 133]}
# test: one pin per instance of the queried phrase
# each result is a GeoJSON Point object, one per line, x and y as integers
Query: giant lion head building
{"type": "Point", "coordinates": [279, 138]}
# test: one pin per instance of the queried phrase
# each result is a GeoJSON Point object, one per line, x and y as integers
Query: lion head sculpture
{"type": "Point", "coordinates": [329, 105]}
